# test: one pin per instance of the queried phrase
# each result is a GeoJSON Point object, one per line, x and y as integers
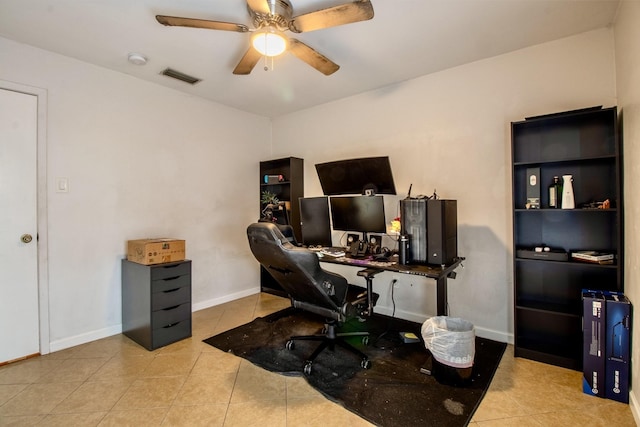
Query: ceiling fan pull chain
{"type": "Point", "coordinates": [266, 63]}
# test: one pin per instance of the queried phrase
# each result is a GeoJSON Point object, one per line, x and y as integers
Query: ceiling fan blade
{"type": "Point", "coordinates": [347, 13]}
{"type": "Point", "coordinates": [248, 61]}
{"type": "Point", "coordinates": [312, 57]}
{"type": "Point", "coordinates": [175, 21]}
{"type": "Point", "coordinates": [260, 6]}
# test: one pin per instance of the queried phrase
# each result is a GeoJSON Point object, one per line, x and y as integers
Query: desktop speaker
{"type": "Point", "coordinates": [413, 223]}
{"type": "Point", "coordinates": [375, 239]}
{"type": "Point", "coordinates": [442, 226]}
{"type": "Point", "coordinates": [352, 238]}
{"type": "Point", "coordinates": [375, 243]}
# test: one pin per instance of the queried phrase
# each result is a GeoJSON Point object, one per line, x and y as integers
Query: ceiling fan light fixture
{"type": "Point", "coordinates": [269, 41]}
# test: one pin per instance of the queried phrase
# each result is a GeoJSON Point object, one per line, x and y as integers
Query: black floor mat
{"type": "Point", "coordinates": [392, 393]}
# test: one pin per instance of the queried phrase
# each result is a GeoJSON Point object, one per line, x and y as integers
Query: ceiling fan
{"type": "Point", "coordinates": [271, 18]}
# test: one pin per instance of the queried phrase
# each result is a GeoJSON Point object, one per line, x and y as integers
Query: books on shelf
{"type": "Point", "coordinates": [593, 256]}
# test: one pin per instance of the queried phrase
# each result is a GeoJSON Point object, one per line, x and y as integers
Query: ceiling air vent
{"type": "Point", "coordinates": [180, 76]}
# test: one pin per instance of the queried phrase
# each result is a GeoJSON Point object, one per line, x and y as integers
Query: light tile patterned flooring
{"type": "Point", "coordinates": [115, 382]}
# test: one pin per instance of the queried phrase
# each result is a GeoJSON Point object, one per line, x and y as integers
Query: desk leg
{"type": "Point", "coordinates": [441, 296]}
{"type": "Point", "coordinates": [368, 274]}
{"type": "Point", "coordinates": [369, 296]}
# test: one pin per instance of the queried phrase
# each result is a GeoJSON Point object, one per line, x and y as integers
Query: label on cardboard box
{"type": "Point", "coordinates": [155, 251]}
{"type": "Point", "coordinates": [533, 188]}
{"type": "Point", "coordinates": [593, 354]}
{"type": "Point", "coordinates": [617, 348]}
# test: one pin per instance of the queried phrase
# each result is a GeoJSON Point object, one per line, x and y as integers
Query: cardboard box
{"type": "Point", "coordinates": [155, 251]}
{"type": "Point", "coordinates": [593, 354]}
{"type": "Point", "coordinates": [618, 348]}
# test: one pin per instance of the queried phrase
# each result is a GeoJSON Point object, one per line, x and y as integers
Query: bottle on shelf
{"type": "Point", "coordinates": [568, 201]}
{"type": "Point", "coordinates": [555, 192]}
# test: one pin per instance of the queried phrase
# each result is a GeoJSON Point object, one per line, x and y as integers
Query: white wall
{"type": "Point", "coordinates": [627, 44]}
{"type": "Point", "coordinates": [142, 161]}
{"type": "Point", "coordinates": [451, 131]}
{"type": "Point", "coordinates": [148, 161]}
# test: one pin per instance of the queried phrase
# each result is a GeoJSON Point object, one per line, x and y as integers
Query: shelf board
{"type": "Point", "coordinates": [555, 309]}
{"type": "Point", "coordinates": [265, 184]}
{"type": "Point", "coordinates": [567, 160]}
{"type": "Point", "coordinates": [565, 210]}
{"type": "Point", "coordinates": [563, 361]}
{"type": "Point", "coordinates": [571, 263]}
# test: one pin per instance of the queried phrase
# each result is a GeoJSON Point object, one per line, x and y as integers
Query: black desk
{"type": "Point", "coordinates": [436, 272]}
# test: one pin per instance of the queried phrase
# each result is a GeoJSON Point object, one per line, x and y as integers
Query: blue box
{"type": "Point", "coordinates": [593, 350]}
{"type": "Point", "coordinates": [617, 348]}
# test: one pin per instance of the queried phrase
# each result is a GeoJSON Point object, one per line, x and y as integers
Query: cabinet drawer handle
{"type": "Point", "coordinates": [170, 290]}
{"type": "Point", "coordinates": [171, 308]}
{"type": "Point", "coordinates": [171, 325]}
{"type": "Point", "coordinates": [172, 266]}
{"type": "Point", "coordinates": [171, 278]}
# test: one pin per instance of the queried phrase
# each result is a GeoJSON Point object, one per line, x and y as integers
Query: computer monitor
{"type": "Point", "coordinates": [370, 175]}
{"type": "Point", "coordinates": [364, 214]}
{"type": "Point", "coordinates": [314, 221]}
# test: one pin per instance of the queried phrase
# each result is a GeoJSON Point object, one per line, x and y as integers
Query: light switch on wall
{"type": "Point", "coordinates": [62, 185]}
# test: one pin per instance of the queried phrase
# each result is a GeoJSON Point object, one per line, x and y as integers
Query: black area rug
{"type": "Point", "coordinates": [392, 393]}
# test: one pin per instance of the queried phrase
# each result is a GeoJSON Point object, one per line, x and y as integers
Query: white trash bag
{"type": "Point", "coordinates": [451, 340]}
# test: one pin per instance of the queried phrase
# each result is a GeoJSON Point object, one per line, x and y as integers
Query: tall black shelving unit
{"type": "Point", "coordinates": [289, 189]}
{"type": "Point", "coordinates": [547, 293]}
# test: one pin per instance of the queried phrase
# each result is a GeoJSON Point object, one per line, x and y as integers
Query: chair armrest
{"type": "Point", "coordinates": [369, 273]}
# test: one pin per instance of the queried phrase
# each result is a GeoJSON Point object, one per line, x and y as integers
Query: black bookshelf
{"type": "Point", "coordinates": [547, 293]}
{"type": "Point", "coordinates": [289, 188]}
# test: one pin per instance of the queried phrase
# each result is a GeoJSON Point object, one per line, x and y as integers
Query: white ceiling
{"type": "Point", "coordinates": [404, 40]}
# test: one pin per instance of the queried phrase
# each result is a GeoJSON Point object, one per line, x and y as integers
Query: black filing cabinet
{"type": "Point", "coordinates": [156, 302]}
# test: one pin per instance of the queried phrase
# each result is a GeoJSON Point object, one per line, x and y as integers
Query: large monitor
{"type": "Point", "coordinates": [364, 214]}
{"type": "Point", "coordinates": [371, 175]}
{"type": "Point", "coordinates": [314, 221]}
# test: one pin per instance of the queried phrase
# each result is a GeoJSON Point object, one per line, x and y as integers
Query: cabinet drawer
{"type": "Point", "coordinates": [171, 297]}
{"type": "Point", "coordinates": [173, 282]}
{"type": "Point", "coordinates": [171, 333]}
{"type": "Point", "coordinates": [164, 271]}
{"type": "Point", "coordinates": [169, 315]}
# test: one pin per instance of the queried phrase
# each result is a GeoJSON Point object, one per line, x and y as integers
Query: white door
{"type": "Point", "coordinates": [19, 322]}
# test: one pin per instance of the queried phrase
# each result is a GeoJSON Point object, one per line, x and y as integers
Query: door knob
{"type": "Point", "coordinates": [26, 238]}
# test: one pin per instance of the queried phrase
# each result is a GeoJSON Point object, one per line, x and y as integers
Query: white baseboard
{"type": "Point", "coordinates": [231, 297]}
{"type": "Point", "coordinates": [84, 338]}
{"type": "Point", "coordinates": [117, 329]}
{"type": "Point", "coordinates": [635, 408]}
{"type": "Point", "coordinates": [491, 334]}
{"type": "Point", "coordinates": [420, 318]}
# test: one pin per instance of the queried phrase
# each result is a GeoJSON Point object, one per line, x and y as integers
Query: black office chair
{"type": "Point", "coordinates": [311, 288]}
{"type": "Point", "coordinates": [285, 229]}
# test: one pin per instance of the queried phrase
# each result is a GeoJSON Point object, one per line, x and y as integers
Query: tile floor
{"type": "Point", "coordinates": [115, 382]}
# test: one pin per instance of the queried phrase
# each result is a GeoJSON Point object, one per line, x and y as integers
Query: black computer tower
{"type": "Point", "coordinates": [432, 227]}
{"type": "Point", "coordinates": [442, 231]}
{"type": "Point", "coordinates": [413, 223]}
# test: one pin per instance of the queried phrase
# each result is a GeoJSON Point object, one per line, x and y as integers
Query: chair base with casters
{"type": "Point", "coordinates": [312, 289]}
{"type": "Point", "coordinates": [329, 340]}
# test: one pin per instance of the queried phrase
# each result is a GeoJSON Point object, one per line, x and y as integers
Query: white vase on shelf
{"type": "Point", "coordinates": [568, 201]}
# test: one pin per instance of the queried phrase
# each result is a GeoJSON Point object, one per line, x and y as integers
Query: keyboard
{"type": "Point", "coordinates": [334, 251]}
{"type": "Point", "coordinates": [366, 262]}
